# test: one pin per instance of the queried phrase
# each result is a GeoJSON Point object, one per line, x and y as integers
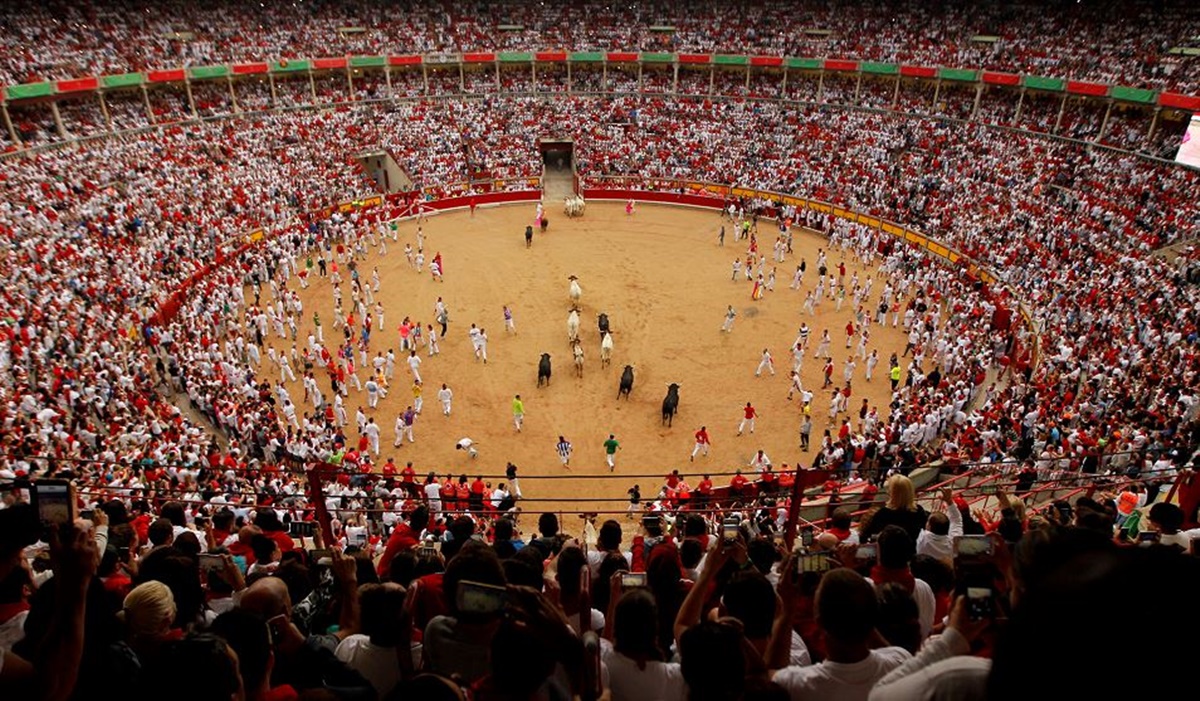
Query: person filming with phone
{"type": "Point", "coordinates": [307, 661]}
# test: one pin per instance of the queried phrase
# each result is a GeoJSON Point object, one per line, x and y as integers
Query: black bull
{"type": "Point", "coordinates": [626, 382]}
{"type": "Point", "coordinates": [670, 404]}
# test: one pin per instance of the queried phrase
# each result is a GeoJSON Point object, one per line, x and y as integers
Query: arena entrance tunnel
{"type": "Point", "coordinates": [558, 155]}
{"type": "Point", "coordinates": [558, 168]}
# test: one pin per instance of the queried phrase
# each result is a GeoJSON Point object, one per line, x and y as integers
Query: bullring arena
{"type": "Point", "coordinates": [665, 282]}
{"type": "Point", "coordinates": [237, 233]}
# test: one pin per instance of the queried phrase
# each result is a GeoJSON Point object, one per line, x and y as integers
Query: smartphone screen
{"type": "Point", "coordinates": [630, 580]}
{"type": "Point", "coordinates": [481, 599]}
{"type": "Point", "coordinates": [1148, 537]}
{"type": "Point", "coordinates": [866, 551]}
{"type": "Point", "coordinates": [973, 547]}
{"type": "Point", "coordinates": [300, 528]}
{"type": "Point", "coordinates": [813, 562]}
{"type": "Point", "coordinates": [979, 603]}
{"type": "Point", "coordinates": [729, 530]}
{"type": "Point", "coordinates": [212, 563]}
{"type": "Point", "coordinates": [806, 536]}
{"type": "Point", "coordinates": [54, 504]}
{"type": "Point", "coordinates": [276, 625]}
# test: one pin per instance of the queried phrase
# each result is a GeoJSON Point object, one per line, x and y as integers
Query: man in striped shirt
{"type": "Point", "coordinates": [564, 451]}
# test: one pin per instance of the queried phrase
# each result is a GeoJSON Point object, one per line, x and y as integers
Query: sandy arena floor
{"type": "Point", "coordinates": [665, 284]}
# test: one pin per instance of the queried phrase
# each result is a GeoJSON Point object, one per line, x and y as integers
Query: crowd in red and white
{"type": "Point", "coordinates": [1081, 41]}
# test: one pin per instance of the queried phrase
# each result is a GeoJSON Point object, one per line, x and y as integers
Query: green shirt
{"type": "Point", "coordinates": [518, 406]}
{"type": "Point", "coordinates": [896, 373]}
{"type": "Point", "coordinates": [610, 446]}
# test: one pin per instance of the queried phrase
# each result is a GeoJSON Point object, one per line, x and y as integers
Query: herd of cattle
{"type": "Point", "coordinates": [670, 404]}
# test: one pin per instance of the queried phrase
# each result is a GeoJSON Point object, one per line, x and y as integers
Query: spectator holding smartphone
{"type": "Point", "coordinates": [847, 612]}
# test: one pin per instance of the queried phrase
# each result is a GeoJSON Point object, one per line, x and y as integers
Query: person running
{"type": "Point", "coordinates": [748, 417]}
{"type": "Point", "coordinates": [730, 315]}
{"type": "Point", "coordinates": [399, 442]}
{"type": "Point", "coordinates": [518, 408]}
{"type": "Point", "coordinates": [767, 363]}
{"type": "Point", "coordinates": [508, 320]}
{"type": "Point", "coordinates": [445, 394]}
{"type": "Point", "coordinates": [796, 385]}
{"type": "Point", "coordinates": [414, 365]}
{"type": "Point", "coordinates": [418, 401]}
{"type": "Point", "coordinates": [611, 446]}
{"type": "Point", "coordinates": [702, 443]}
{"type": "Point", "coordinates": [481, 349]}
{"type": "Point", "coordinates": [434, 349]}
{"type": "Point", "coordinates": [635, 500]}
{"type": "Point", "coordinates": [564, 451]}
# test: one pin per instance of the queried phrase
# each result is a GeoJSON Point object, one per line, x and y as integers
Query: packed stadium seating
{"type": "Point", "coordinates": [139, 222]}
{"type": "Point", "coordinates": [1080, 41]}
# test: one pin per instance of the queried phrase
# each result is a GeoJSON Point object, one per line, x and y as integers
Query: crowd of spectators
{"type": "Point", "coordinates": [1129, 43]}
{"type": "Point", "coordinates": [1070, 228]}
{"type": "Point", "coordinates": [1127, 127]}
{"type": "Point", "coordinates": [909, 605]}
{"type": "Point", "coordinates": [972, 190]}
{"type": "Point", "coordinates": [100, 234]}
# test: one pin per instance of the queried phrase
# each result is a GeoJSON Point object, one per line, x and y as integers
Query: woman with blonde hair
{"type": "Point", "coordinates": [901, 510]}
{"type": "Point", "coordinates": [148, 614]}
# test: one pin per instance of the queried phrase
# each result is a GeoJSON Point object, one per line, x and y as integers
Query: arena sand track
{"type": "Point", "coordinates": [665, 284]}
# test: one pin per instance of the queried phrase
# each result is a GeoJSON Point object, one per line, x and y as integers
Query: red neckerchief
{"type": "Point", "coordinates": [883, 575]}
{"type": "Point", "coordinates": [7, 611]}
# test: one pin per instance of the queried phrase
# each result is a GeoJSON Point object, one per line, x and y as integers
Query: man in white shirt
{"type": "Point", "coordinates": [943, 668]}
{"type": "Point", "coordinates": [468, 445]}
{"type": "Point", "coordinates": [847, 611]}
{"type": "Point", "coordinates": [1167, 519]}
{"type": "Point", "coordinates": [373, 653]}
{"type": "Point", "coordinates": [937, 538]}
{"type": "Point", "coordinates": [433, 495]}
{"type": "Point", "coordinates": [896, 550]}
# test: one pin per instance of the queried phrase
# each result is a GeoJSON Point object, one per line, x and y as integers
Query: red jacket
{"type": "Point", "coordinates": [403, 538]}
{"type": "Point", "coordinates": [283, 539]}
